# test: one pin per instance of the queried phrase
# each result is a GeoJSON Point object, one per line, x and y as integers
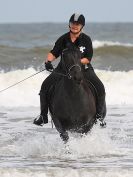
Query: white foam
{"type": "Point", "coordinates": [118, 84]}
{"type": "Point", "coordinates": [97, 44]}
{"type": "Point", "coordinates": [89, 149]}
{"type": "Point", "coordinates": [65, 172]}
{"type": "Point", "coordinates": [48, 144]}
{"type": "Point", "coordinates": [27, 150]}
{"type": "Point", "coordinates": [23, 94]}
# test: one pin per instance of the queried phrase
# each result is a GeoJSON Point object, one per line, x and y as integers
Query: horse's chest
{"type": "Point", "coordinates": [74, 102]}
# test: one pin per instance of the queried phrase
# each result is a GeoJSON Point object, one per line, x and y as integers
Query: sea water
{"type": "Point", "coordinates": [30, 151]}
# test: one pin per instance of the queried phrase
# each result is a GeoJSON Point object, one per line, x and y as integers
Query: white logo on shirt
{"type": "Point", "coordinates": [81, 49]}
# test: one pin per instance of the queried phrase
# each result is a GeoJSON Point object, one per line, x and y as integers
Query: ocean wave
{"type": "Point", "coordinates": [119, 87]}
{"type": "Point", "coordinates": [118, 50]}
{"type": "Point", "coordinates": [96, 44]}
{"type": "Point", "coordinates": [99, 44]}
{"type": "Point", "coordinates": [116, 56]}
{"type": "Point", "coordinates": [39, 49]}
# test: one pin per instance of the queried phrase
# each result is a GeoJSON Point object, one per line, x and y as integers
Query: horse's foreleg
{"type": "Point", "coordinates": [87, 127]}
{"type": "Point", "coordinates": [64, 136]}
{"type": "Point", "coordinates": [63, 133]}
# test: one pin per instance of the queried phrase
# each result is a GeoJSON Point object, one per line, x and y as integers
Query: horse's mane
{"type": "Point", "coordinates": [71, 49]}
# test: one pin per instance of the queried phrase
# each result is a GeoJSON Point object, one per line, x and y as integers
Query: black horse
{"type": "Point", "coordinates": [73, 105]}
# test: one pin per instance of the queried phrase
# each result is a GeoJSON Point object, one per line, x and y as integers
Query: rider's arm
{"type": "Point", "coordinates": [50, 57]}
{"type": "Point", "coordinates": [57, 49]}
{"type": "Point", "coordinates": [88, 52]}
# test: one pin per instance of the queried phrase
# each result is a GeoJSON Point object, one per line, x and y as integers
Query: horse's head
{"type": "Point", "coordinates": [72, 64]}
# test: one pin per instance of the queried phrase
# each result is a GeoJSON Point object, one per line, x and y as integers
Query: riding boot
{"type": "Point", "coordinates": [43, 118]}
{"type": "Point", "coordinates": [101, 108]}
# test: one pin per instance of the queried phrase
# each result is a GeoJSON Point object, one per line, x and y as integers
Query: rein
{"type": "Point", "coordinates": [59, 73]}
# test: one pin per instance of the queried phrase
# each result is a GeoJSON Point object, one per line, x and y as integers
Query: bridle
{"type": "Point", "coordinates": [67, 73]}
{"type": "Point", "coordinates": [76, 65]}
{"type": "Point", "coordinates": [71, 67]}
{"type": "Point", "coordinates": [68, 69]}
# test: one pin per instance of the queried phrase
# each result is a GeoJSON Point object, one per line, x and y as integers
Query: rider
{"type": "Point", "coordinates": [75, 37]}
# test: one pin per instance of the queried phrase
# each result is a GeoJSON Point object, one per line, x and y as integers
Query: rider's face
{"type": "Point", "coordinates": [75, 27]}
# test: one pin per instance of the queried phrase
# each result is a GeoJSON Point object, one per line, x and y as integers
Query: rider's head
{"type": "Point", "coordinates": [76, 23]}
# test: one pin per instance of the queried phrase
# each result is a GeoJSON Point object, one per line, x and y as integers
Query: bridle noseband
{"type": "Point", "coordinates": [74, 66]}
{"type": "Point", "coordinates": [69, 70]}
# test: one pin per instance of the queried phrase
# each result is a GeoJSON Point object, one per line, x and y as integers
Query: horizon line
{"type": "Point", "coordinates": [61, 22]}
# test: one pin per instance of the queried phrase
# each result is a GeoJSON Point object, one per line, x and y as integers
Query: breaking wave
{"type": "Point", "coordinates": [118, 84]}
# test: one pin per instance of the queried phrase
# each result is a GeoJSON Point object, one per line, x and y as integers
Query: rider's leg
{"type": "Point", "coordinates": [100, 90]}
{"type": "Point", "coordinates": [48, 82]}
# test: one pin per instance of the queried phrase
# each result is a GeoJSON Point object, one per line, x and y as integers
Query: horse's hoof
{"type": "Point", "coordinates": [64, 136]}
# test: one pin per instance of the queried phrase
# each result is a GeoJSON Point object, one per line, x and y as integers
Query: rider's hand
{"type": "Point", "coordinates": [49, 66]}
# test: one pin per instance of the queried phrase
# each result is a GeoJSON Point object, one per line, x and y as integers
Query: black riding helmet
{"type": "Point", "coordinates": [79, 18]}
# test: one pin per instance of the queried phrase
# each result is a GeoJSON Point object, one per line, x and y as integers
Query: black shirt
{"type": "Point", "coordinates": [83, 42]}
